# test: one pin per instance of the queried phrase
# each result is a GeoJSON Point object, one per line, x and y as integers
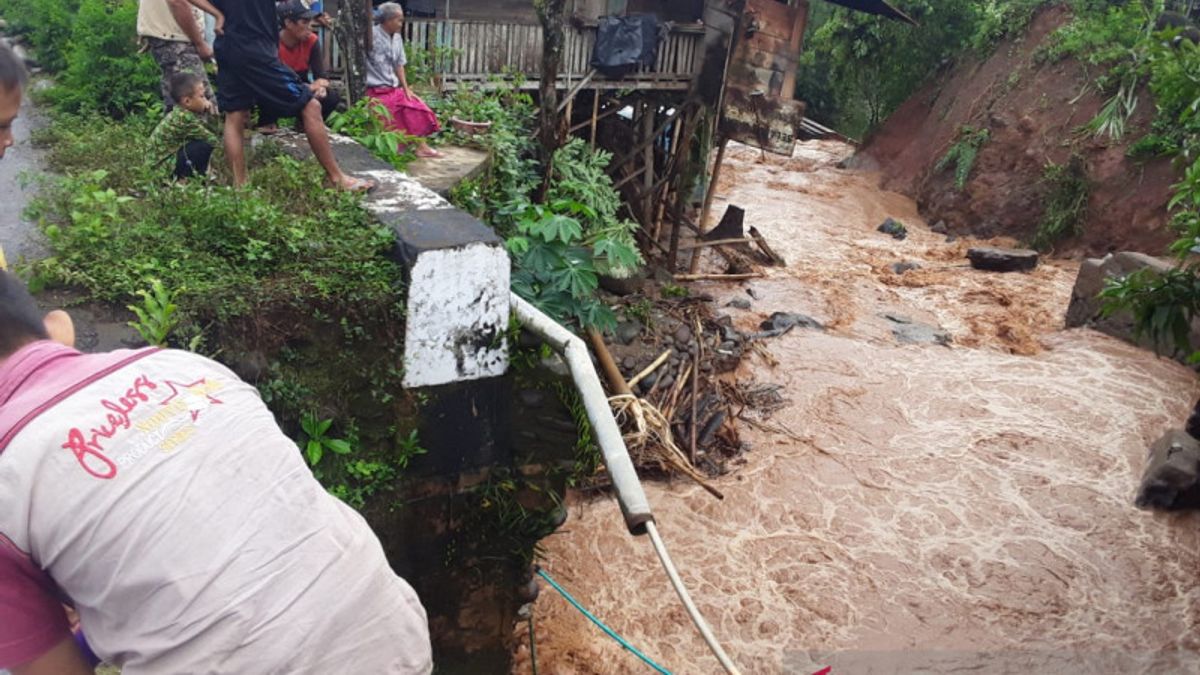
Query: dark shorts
{"type": "Point", "coordinates": [247, 78]}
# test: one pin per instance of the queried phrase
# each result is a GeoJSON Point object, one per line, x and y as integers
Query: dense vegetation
{"type": "Point", "coordinates": [284, 275]}
{"type": "Point", "coordinates": [858, 67]}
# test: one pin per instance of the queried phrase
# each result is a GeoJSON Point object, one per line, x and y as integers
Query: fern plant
{"type": "Point", "coordinates": [963, 153]}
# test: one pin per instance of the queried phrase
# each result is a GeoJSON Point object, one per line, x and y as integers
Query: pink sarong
{"type": "Point", "coordinates": [408, 113]}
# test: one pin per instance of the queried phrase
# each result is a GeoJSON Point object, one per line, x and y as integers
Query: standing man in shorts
{"type": "Point", "coordinates": [173, 32]}
{"type": "Point", "coordinates": [249, 73]}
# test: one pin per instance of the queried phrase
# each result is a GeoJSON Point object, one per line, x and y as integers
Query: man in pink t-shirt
{"type": "Point", "coordinates": [152, 491]}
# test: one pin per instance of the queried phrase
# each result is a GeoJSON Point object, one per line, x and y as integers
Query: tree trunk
{"type": "Point", "coordinates": [353, 29]}
{"type": "Point", "coordinates": [550, 14]}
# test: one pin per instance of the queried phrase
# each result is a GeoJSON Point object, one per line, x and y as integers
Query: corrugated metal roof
{"type": "Point", "coordinates": [880, 7]}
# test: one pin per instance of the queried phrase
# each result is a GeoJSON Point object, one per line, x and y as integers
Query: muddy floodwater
{"type": "Point", "coordinates": [928, 508]}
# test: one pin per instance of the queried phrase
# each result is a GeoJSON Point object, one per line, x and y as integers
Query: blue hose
{"type": "Point", "coordinates": [611, 633]}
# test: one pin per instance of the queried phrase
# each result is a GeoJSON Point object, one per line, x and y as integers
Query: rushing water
{"type": "Point", "coordinates": [933, 509]}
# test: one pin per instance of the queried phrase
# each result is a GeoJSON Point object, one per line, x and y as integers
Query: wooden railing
{"type": "Point", "coordinates": [474, 51]}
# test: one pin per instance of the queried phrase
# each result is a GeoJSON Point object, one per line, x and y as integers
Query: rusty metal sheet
{"type": "Point", "coordinates": [758, 107]}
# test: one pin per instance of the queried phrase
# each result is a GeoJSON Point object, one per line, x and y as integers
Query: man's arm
{"type": "Point", "coordinates": [182, 11]}
{"type": "Point", "coordinates": [403, 79]}
{"type": "Point", "coordinates": [62, 659]}
{"type": "Point", "coordinates": [208, 8]}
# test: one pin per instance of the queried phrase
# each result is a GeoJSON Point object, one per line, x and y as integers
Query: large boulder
{"type": "Point", "coordinates": [1002, 259]}
{"type": "Point", "coordinates": [1084, 308]}
{"type": "Point", "coordinates": [1171, 480]}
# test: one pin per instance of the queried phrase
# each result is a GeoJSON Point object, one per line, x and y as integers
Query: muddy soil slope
{"type": "Point", "coordinates": [1033, 110]}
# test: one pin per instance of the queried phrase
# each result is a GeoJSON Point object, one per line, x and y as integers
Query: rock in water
{"type": "Point", "coordinates": [1002, 259]}
{"type": "Point", "coordinates": [909, 332]}
{"type": "Point", "coordinates": [939, 227]}
{"type": "Point", "coordinates": [786, 320]}
{"type": "Point", "coordinates": [902, 267]}
{"type": "Point", "coordinates": [1171, 480]}
{"type": "Point", "coordinates": [740, 303]}
{"type": "Point", "coordinates": [894, 228]}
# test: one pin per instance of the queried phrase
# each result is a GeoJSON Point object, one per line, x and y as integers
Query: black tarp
{"type": "Point", "coordinates": [880, 7]}
{"type": "Point", "coordinates": [625, 43]}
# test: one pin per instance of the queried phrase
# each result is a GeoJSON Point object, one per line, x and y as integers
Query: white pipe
{"type": "Point", "coordinates": [705, 632]}
{"type": "Point", "coordinates": [634, 505]}
{"type": "Point", "coordinates": [630, 495]}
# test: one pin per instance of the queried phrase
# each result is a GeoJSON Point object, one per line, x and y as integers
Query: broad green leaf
{"type": "Point", "coordinates": [314, 452]}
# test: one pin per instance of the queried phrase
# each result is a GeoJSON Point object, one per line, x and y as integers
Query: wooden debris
{"type": "Point", "coordinates": [649, 369]}
{"type": "Point", "coordinates": [718, 277]}
{"type": "Point", "coordinates": [716, 242]}
{"type": "Point", "coordinates": [774, 257]}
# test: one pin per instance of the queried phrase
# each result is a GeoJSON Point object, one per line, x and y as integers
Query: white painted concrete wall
{"type": "Point", "coordinates": [457, 313]}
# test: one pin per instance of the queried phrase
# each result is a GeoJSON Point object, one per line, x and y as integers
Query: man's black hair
{"type": "Point", "coordinates": [182, 84]}
{"type": "Point", "coordinates": [20, 318]}
{"type": "Point", "coordinates": [12, 71]}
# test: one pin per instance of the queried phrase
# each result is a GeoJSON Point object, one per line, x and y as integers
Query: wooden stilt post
{"type": "Point", "coordinates": [595, 114]}
{"type": "Point", "coordinates": [648, 114]}
{"type": "Point", "coordinates": [683, 174]}
{"type": "Point", "coordinates": [708, 197]}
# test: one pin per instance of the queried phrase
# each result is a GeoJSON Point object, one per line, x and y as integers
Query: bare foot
{"type": "Point", "coordinates": [351, 184]}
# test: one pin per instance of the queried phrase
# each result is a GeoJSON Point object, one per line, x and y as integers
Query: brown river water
{"type": "Point", "coordinates": [933, 509]}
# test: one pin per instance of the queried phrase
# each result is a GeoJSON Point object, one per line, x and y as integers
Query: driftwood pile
{"type": "Point", "coordinates": [678, 411]}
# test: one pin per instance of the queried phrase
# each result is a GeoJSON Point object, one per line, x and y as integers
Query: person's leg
{"type": "Point", "coordinates": [198, 154]}
{"type": "Point", "coordinates": [183, 166]}
{"type": "Point", "coordinates": [177, 57]}
{"type": "Point", "coordinates": [162, 56]}
{"type": "Point", "coordinates": [268, 122]}
{"type": "Point", "coordinates": [235, 124]}
{"type": "Point", "coordinates": [330, 103]}
{"type": "Point", "coordinates": [318, 140]}
{"type": "Point", "coordinates": [236, 98]}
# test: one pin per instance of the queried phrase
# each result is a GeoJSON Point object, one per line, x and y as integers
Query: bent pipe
{"type": "Point", "coordinates": [634, 505]}
{"type": "Point", "coordinates": [630, 495]}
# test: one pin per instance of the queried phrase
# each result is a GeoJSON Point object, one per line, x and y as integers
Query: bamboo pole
{"type": "Point", "coordinates": [716, 242]}
{"type": "Point", "coordinates": [718, 277]}
{"type": "Point", "coordinates": [649, 111]}
{"type": "Point", "coordinates": [595, 112]}
{"type": "Point", "coordinates": [708, 197]}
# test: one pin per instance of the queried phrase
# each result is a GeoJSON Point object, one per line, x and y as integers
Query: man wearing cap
{"type": "Point", "coordinates": [300, 50]}
{"type": "Point", "coordinates": [173, 32]}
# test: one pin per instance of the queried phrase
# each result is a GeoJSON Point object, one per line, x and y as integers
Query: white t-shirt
{"type": "Point", "coordinates": [155, 20]}
{"type": "Point", "coordinates": [155, 490]}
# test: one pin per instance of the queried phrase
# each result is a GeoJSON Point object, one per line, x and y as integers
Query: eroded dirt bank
{"type": "Point", "coordinates": [934, 508]}
{"type": "Point", "coordinates": [1033, 109]}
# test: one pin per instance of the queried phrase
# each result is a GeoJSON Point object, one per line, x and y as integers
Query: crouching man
{"type": "Point", "coordinates": [153, 491]}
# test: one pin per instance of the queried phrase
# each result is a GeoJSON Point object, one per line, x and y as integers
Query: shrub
{"type": "Point", "coordinates": [104, 72]}
{"type": "Point", "coordinates": [224, 252]}
{"type": "Point", "coordinates": [46, 24]}
{"type": "Point", "coordinates": [1066, 199]}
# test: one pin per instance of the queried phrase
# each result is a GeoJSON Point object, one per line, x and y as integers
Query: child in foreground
{"type": "Point", "coordinates": [188, 133]}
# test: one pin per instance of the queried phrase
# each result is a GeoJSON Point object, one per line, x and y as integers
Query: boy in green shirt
{"type": "Point", "coordinates": [188, 133]}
